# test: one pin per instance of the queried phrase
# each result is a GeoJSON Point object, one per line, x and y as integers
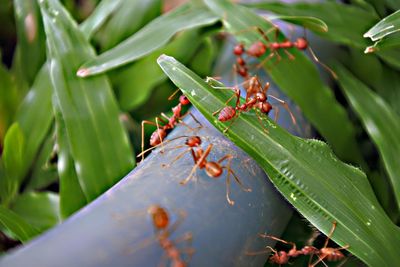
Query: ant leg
{"type": "Point", "coordinates": [237, 94]}
{"type": "Point", "coordinates": [316, 59]}
{"type": "Point", "coordinates": [142, 144]}
{"type": "Point", "coordinates": [260, 121]}
{"type": "Point", "coordinates": [265, 60]}
{"type": "Point", "coordinates": [228, 168]}
{"type": "Point", "coordinates": [278, 239]}
{"type": "Point", "coordinates": [159, 136]}
{"type": "Point", "coordinates": [195, 119]}
{"type": "Point", "coordinates": [232, 121]}
{"type": "Point", "coordinates": [173, 94]}
{"type": "Point", "coordinates": [290, 55]}
{"type": "Point", "coordinates": [168, 141]}
{"type": "Point", "coordinates": [177, 157]}
{"type": "Point", "coordinates": [285, 106]}
{"type": "Point", "coordinates": [276, 115]}
{"type": "Point", "coordinates": [228, 189]}
{"type": "Point", "coordinates": [198, 162]}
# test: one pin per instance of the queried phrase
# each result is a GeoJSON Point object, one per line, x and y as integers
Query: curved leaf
{"type": "Point", "coordinates": [381, 122]}
{"type": "Point", "coordinates": [306, 172]}
{"type": "Point", "coordinates": [99, 145]}
{"type": "Point", "coordinates": [17, 225]}
{"type": "Point", "coordinates": [31, 40]}
{"type": "Point", "coordinates": [136, 82]}
{"type": "Point", "coordinates": [312, 23]}
{"type": "Point", "coordinates": [40, 210]}
{"type": "Point", "coordinates": [386, 26]}
{"type": "Point", "coordinates": [154, 35]}
{"type": "Point", "coordinates": [298, 79]}
{"type": "Point", "coordinates": [12, 160]}
{"type": "Point", "coordinates": [99, 16]}
{"type": "Point", "coordinates": [346, 22]}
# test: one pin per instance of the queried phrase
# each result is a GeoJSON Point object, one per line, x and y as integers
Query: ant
{"type": "Point", "coordinates": [259, 49]}
{"type": "Point", "coordinates": [256, 98]}
{"type": "Point", "coordinates": [160, 133]}
{"type": "Point", "coordinates": [161, 223]}
{"type": "Point", "coordinates": [325, 253]}
{"type": "Point", "coordinates": [213, 169]}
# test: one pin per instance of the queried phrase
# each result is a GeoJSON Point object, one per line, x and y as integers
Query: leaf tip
{"type": "Point", "coordinates": [370, 49]}
{"type": "Point", "coordinates": [83, 72]}
{"type": "Point", "coordinates": [164, 57]}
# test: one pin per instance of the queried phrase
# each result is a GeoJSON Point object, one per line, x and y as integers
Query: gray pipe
{"type": "Point", "coordinates": [116, 230]}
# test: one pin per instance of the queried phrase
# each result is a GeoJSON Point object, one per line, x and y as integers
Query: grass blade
{"type": "Point", "coordinates": [385, 27]}
{"type": "Point", "coordinates": [306, 172]}
{"type": "Point", "coordinates": [153, 36]}
{"type": "Point", "coordinates": [16, 225]}
{"type": "Point", "coordinates": [381, 122]}
{"type": "Point", "coordinates": [298, 79]}
{"type": "Point", "coordinates": [99, 145]}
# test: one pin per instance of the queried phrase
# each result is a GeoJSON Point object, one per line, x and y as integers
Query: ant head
{"type": "Point", "coordinates": [159, 216]}
{"type": "Point", "coordinates": [238, 49]}
{"type": "Point", "coordinates": [261, 97]}
{"type": "Point", "coordinates": [301, 43]}
{"type": "Point", "coordinates": [213, 169]}
{"type": "Point", "coordinates": [193, 141]}
{"type": "Point", "coordinates": [184, 100]}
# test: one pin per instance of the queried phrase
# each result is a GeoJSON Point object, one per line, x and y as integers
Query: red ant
{"type": "Point", "coordinates": [256, 98]}
{"type": "Point", "coordinates": [259, 48]}
{"type": "Point", "coordinates": [160, 133]}
{"type": "Point", "coordinates": [283, 257]}
{"type": "Point", "coordinates": [213, 169]}
{"type": "Point", "coordinates": [161, 223]}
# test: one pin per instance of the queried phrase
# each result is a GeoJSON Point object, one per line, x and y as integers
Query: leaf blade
{"type": "Point", "coordinates": [152, 36]}
{"type": "Point", "coordinates": [295, 167]}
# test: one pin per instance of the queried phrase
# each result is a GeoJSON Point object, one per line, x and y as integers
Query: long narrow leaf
{"type": "Point", "coordinates": [31, 41]}
{"type": "Point", "coordinates": [99, 145]}
{"type": "Point", "coordinates": [381, 122]}
{"type": "Point", "coordinates": [386, 26]}
{"type": "Point", "coordinates": [152, 36]}
{"type": "Point", "coordinates": [17, 225]}
{"type": "Point", "coordinates": [306, 172]}
{"type": "Point", "coordinates": [298, 79]}
{"type": "Point", "coordinates": [346, 23]}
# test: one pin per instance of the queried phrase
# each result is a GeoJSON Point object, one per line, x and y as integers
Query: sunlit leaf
{"type": "Point", "coordinates": [381, 122]}
{"type": "Point", "coordinates": [17, 225]}
{"type": "Point", "coordinates": [298, 79]}
{"type": "Point", "coordinates": [386, 26]}
{"type": "Point", "coordinates": [153, 36]}
{"type": "Point", "coordinates": [306, 172]}
{"type": "Point", "coordinates": [99, 145]}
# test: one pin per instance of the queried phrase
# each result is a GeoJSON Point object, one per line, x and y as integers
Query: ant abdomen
{"type": "Point", "coordinates": [227, 113]}
{"type": "Point", "coordinates": [157, 136]}
{"type": "Point", "coordinates": [213, 169]}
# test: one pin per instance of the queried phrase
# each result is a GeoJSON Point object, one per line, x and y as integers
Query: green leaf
{"type": "Point", "coordinates": [127, 19]}
{"type": "Point", "coordinates": [9, 100]}
{"type": "Point", "coordinates": [36, 104]}
{"type": "Point", "coordinates": [136, 82]}
{"type": "Point", "coordinates": [99, 145]}
{"type": "Point", "coordinates": [298, 79]}
{"type": "Point", "coordinates": [153, 36]}
{"type": "Point", "coordinates": [306, 172]}
{"type": "Point", "coordinates": [43, 171]}
{"type": "Point", "coordinates": [17, 225]}
{"type": "Point", "coordinates": [346, 23]}
{"type": "Point", "coordinates": [307, 22]}
{"type": "Point", "coordinates": [72, 197]}
{"type": "Point", "coordinates": [99, 16]}
{"type": "Point", "coordinates": [40, 210]}
{"type": "Point", "coordinates": [381, 122]}
{"type": "Point", "coordinates": [12, 158]}
{"type": "Point", "coordinates": [386, 26]}
{"type": "Point", "coordinates": [31, 43]}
